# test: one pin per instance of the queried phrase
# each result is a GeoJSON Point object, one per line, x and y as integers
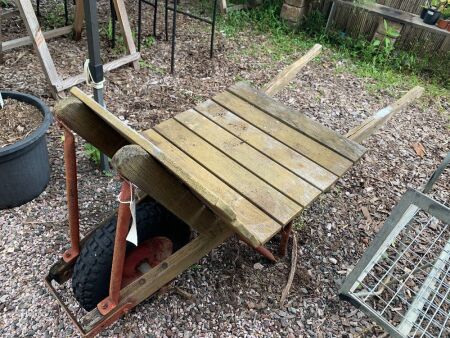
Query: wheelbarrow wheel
{"type": "Point", "coordinates": [92, 270]}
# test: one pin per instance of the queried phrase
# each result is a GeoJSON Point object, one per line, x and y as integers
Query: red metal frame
{"type": "Point", "coordinates": [285, 234]}
{"type": "Point", "coordinates": [70, 163]}
{"type": "Point", "coordinates": [123, 223]}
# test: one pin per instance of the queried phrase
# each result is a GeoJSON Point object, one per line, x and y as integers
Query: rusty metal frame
{"type": "Point", "coordinates": [120, 245]}
{"type": "Point", "coordinates": [70, 163]}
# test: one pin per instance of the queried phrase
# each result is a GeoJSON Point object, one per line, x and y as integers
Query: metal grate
{"type": "Point", "coordinates": [403, 279]}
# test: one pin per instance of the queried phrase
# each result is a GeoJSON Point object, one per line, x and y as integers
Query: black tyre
{"type": "Point", "coordinates": [92, 271]}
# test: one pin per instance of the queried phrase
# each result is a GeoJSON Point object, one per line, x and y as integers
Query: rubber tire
{"type": "Point", "coordinates": [92, 270]}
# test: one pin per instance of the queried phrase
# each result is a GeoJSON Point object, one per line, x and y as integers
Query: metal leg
{"type": "Point", "coordinates": [261, 250]}
{"type": "Point", "coordinates": [213, 28]}
{"type": "Point", "coordinates": [174, 37]}
{"type": "Point", "coordinates": [166, 14]}
{"type": "Point", "coordinates": [113, 23]}
{"type": "Point", "coordinates": [155, 12]}
{"type": "Point", "coordinates": [70, 163]}
{"type": "Point", "coordinates": [139, 32]}
{"type": "Point", "coordinates": [285, 234]}
{"type": "Point", "coordinates": [66, 13]}
{"type": "Point", "coordinates": [120, 244]}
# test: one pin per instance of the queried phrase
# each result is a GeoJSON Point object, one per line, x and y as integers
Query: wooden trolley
{"type": "Point", "coordinates": [241, 163]}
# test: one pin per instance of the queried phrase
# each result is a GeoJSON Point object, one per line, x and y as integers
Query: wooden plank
{"type": "Point", "coordinates": [232, 173]}
{"type": "Point", "coordinates": [286, 76]}
{"type": "Point", "coordinates": [299, 122]}
{"type": "Point", "coordinates": [253, 224]}
{"type": "Point", "coordinates": [137, 166]}
{"type": "Point", "coordinates": [26, 40]}
{"type": "Point", "coordinates": [301, 143]}
{"type": "Point", "coordinates": [277, 151]}
{"type": "Point", "coordinates": [394, 15]}
{"type": "Point", "coordinates": [78, 19]}
{"type": "Point", "coordinates": [40, 46]}
{"type": "Point", "coordinates": [84, 122]}
{"type": "Point", "coordinates": [381, 117]}
{"type": "Point", "coordinates": [259, 164]}
{"type": "Point", "coordinates": [122, 17]}
{"type": "Point", "coordinates": [80, 78]}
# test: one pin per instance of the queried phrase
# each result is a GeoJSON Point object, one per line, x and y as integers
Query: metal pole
{"type": "Point", "coordinates": [174, 36]}
{"type": "Point", "coordinates": [213, 28]}
{"type": "Point", "coordinates": [95, 62]}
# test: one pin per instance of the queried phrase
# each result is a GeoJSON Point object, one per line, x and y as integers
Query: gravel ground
{"type": "Point", "coordinates": [229, 296]}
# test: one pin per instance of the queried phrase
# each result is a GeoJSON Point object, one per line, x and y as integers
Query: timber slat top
{"type": "Point", "coordinates": [247, 153]}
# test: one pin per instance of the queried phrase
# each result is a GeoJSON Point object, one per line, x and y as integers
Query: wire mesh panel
{"type": "Point", "coordinates": [403, 279]}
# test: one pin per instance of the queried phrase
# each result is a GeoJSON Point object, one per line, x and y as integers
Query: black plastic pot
{"type": "Point", "coordinates": [423, 12]}
{"type": "Point", "coordinates": [24, 166]}
{"type": "Point", "coordinates": [431, 16]}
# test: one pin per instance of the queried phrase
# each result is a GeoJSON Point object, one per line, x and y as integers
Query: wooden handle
{"type": "Point", "coordinates": [377, 120]}
{"type": "Point", "coordinates": [287, 74]}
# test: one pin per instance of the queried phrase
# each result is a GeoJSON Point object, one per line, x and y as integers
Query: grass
{"type": "Point", "coordinates": [389, 69]}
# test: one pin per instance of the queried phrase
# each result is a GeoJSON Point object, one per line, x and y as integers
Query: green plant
{"type": "Point", "coordinates": [149, 41]}
{"type": "Point", "coordinates": [148, 65]}
{"type": "Point", "coordinates": [55, 17]}
{"type": "Point", "coordinates": [446, 13]}
{"type": "Point", "coordinates": [92, 153]}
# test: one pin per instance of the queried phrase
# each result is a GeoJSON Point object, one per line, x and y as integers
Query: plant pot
{"type": "Point", "coordinates": [423, 12]}
{"type": "Point", "coordinates": [24, 166]}
{"type": "Point", "coordinates": [431, 16]}
{"type": "Point", "coordinates": [442, 24]}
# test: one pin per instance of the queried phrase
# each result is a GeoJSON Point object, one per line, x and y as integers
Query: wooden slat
{"type": "Point", "coordinates": [308, 147]}
{"type": "Point", "coordinates": [124, 23]}
{"type": "Point", "coordinates": [34, 31]}
{"type": "Point", "coordinates": [279, 152]}
{"type": "Point", "coordinates": [299, 121]}
{"type": "Point", "coordinates": [259, 227]}
{"type": "Point", "coordinates": [26, 40]}
{"type": "Point", "coordinates": [271, 172]}
{"type": "Point", "coordinates": [107, 67]}
{"type": "Point", "coordinates": [247, 184]}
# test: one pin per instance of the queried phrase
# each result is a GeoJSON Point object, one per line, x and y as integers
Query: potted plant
{"type": "Point", "coordinates": [444, 21]}
{"type": "Point", "coordinates": [24, 165]}
{"type": "Point", "coordinates": [432, 14]}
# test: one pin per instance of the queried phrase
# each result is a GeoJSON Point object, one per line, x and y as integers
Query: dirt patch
{"type": "Point", "coordinates": [17, 121]}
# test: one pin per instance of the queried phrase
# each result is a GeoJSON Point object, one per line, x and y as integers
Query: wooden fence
{"type": "Point", "coordinates": [359, 23]}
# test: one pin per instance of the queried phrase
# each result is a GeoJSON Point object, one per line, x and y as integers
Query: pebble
{"type": "Point", "coordinates": [258, 266]}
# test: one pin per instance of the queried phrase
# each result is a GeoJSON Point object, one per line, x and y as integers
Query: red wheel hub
{"type": "Point", "coordinates": [152, 252]}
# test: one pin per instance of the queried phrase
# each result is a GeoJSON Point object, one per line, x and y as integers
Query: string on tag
{"type": "Point", "coordinates": [88, 76]}
{"type": "Point", "coordinates": [132, 236]}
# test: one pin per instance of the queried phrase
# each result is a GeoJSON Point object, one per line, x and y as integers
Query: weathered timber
{"type": "Point", "coordinates": [381, 117]}
{"type": "Point", "coordinates": [266, 144]}
{"type": "Point", "coordinates": [283, 79]}
{"type": "Point", "coordinates": [299, 122]}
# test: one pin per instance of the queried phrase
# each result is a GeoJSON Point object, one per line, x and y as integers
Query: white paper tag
{"type": "Point", "coordinates": [132, 234]}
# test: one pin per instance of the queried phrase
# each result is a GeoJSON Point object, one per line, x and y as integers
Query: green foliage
{"type": "Point", "coordinates": [55, 17]}
{"type": "Point", "coordinates": [92, 153]}
{"type": "Point", "coordinates": [379, 60]}
{"type": "Point", "coordinates": [149, 41]}
{"type": "Point", "coordinates": [152, 67]}
{"type": "Point", "coordinates": [4, 4]}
